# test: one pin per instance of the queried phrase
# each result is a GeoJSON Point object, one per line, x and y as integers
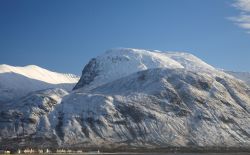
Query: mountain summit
{"type": "Point", "coordinates": [117, 63]}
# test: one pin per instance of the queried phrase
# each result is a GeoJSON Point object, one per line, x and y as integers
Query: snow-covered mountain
{"type": "Point", "coordinates": [130, 98]}
{"type": "Point", "coordinates": [16, 82]}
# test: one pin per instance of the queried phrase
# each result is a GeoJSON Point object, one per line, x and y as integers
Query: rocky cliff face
{"type": "Point", "coordinates": [185, 104]}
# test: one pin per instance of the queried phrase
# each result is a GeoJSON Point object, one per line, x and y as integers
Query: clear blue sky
{"type": "Point", "coordinates": [62, 35]}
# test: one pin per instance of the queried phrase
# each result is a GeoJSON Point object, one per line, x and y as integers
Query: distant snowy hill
{"type": "Point", "coordinates": [133, 98]}
{"type": "Point", "coordinates": [16, 82]}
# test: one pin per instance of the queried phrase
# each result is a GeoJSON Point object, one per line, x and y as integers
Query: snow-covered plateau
{"type": "Point", "coordinates": [134, 98]}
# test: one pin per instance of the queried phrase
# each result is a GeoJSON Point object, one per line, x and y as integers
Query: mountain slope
{"type": "Point", "coordinates": [16, 82]}
{"type": "Point", "coordinates": [244, 76]}
{"type": "Point", "coordinates": [28, 115]}
{"type": "Point", "coordinates": [161, 107]}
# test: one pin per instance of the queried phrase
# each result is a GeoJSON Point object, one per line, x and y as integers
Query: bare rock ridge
{"type": "Point", "coordinates": [132, 98]}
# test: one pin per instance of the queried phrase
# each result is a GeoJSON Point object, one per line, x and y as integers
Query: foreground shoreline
{"type": "Point", "coordinates": [144, 150]}
{"type": "Point", "coordinates": [139, 153]}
